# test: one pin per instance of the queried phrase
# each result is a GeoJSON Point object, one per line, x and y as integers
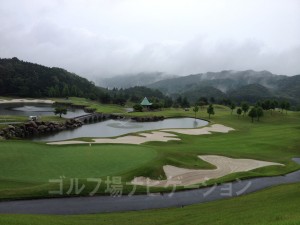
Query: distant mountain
{"type": "Point", "coordinates": [207, 92]}
{"type": "Point", "coordinates": [290, 87]}
{"type": "Point", "coordinates": [25, 79]}
{"type": "Point", "coordinates": [132, 80]}
{"type": "Point", "coordinates": [238, 85]}
{"type": "Point", "coordinates": [224, 81]}
{"type": "Point", "coordinates": [250, 93]}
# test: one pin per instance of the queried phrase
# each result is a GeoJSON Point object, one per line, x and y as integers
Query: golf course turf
{"type": "Point", "coordinates": [26, 168]}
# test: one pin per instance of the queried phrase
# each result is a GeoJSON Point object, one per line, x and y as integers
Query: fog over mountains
{"type": "Point", "coordinates": [238, 85]}
{"type": "Point", "coordinates": [131, 80]}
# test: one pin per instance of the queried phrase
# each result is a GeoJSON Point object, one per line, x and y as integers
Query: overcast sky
{"type": "Point", "coordinates": [105, 38]}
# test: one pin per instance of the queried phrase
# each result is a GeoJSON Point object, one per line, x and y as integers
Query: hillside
{"type": "Point", "coordinates": [250, 93]}
{"type": "Point", "coordinates": [224, 81]}
{"type": "Point", "coordinates": [24, 79]}
{"type": "Point", "coordinates": [290, 87]}
{"type": "Point", "coordinates": [132, 80]}
{"type": "Point", "coordinates": [240, 85]}
{"type": "Point", "coordinates": [207, 92]}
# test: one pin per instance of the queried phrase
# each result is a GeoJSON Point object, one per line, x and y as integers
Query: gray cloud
{"type": "Point", "coordinates": [104, 38]}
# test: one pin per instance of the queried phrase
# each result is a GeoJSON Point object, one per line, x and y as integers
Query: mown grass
{"type": "Point", "coordinates": [26, 167]}
{"type": "Point", "coordinates": [276, 206]}
{"type": "Point", "coordinates": [99, 107]}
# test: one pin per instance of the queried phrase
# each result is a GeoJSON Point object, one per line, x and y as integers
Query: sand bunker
{"type": "Point", "coordinates": [22, 100]}
{"type": "Point", "coordinates": [153, 136]}
{"type": "Point", "coordinates": [130, 139]}
{"type": "Point", "coordinates": [184, 177]}
{"type": "Point", "coordinates": [200, 131]}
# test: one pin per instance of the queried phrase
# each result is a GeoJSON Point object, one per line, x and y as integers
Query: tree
{"type": "Point", "coordinates": [105, 98]}
{"type": "Point", "coordinates": [195, 109]}
{"type": "Point", "coordinates": [201, 104]}
{"type": "Point", "coordinates": [253, 113]}
{"type": "Point", "coordinates": [210, 110]}
{"type": "Point", "coordinates": [65, 91]}
{"type": "Point", "coordinates": [245, 107]}
{"type": "Point", "coordinates": [155, 106]}
{"type": "Point", "coordinates": [239, 111]}
{"type": "Point", "coordinates": [60, 110]}
{"type": "Point", "coordinates": [272, 106]}
{"type": "Point", "coordinates": [138, 108]}
{"type": "Point", "coordinates": [185, 103]}
{"type": "Point", "coordinates": [232, 107]}
{"type": "Point", "coordinates": [275, 103]}
{"type": "Point", "coordinates": [259, 104]}
{"type": "Point", "coordinates": [135, 98]}
{"type": "Point", "coordinates": [287, 106]}
{"type": "Point", "coordinates": [168, 102]}
{"type": "Point", "coordinates": [266, 105]}
{"type": "Point", "coordinates": [225, 101]}
{"type": "Point", "coordinates": [259, 112]}
{"type": "Point", "coordinates": [282, 106]}
{"type": "Point", "coordinates": [203, 100]}
{"type": "Point", "coordinates": [179, 100]}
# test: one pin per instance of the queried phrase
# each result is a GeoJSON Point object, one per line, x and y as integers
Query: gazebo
{"type": "Point", "coordinates": [145, 103]}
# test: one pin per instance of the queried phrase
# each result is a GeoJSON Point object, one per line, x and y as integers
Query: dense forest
{"type": "Point", "coordinates": [25, 79]}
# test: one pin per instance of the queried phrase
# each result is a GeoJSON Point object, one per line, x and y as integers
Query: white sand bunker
{"type": "Point", "coordinates": [130, 139]}
{"type": "Point", "coordinates": [184, 177]}
{"type": "Point", "coordinates": [200, 131]}
{"type": "Point", "coordinates": [153, 136]}
{"type": "Point", "coordinates": [22, 100]}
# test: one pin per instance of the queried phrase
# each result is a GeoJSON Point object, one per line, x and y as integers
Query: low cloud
{"type": "Point", "coordinates": [93, 53]}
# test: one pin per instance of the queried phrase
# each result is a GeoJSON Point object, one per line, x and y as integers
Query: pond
{"type": "Point", "coordinates": [112, 128]}
{"type": "Point", "coordinates": [35, 109]}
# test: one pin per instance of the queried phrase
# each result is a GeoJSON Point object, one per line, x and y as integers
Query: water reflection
{"type": "Point", "coordinates": [36, 109]}
{"type": "Point", "coordinates": [111, 128]}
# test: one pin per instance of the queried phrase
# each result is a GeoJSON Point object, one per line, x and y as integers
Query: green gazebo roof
{"type": "Point", "coordinates": [146, 102]}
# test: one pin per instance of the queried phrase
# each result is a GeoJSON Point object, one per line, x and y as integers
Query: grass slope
{"type": "Point", "coordinates": [276, 206]}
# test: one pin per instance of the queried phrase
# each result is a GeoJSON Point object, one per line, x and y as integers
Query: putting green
{"type": "Point", "coordinates": [25, 162]}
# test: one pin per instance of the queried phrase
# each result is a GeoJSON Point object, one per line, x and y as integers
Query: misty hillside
{"type": "Point", "coordinates": [238, 85]}
{"type": "Point", "coordinates": [224, 81]}
{"type": "Point", "coordinates": [250, 93]}
{"type": "Point", "coordinates": [194, 94]}
{"type": "Point", "coordinates": [132, 80]}
{"type": "Point", "coordinates": [290, 87]}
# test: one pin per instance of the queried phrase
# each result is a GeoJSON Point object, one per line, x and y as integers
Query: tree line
{"type": "Point", "coordinates": [257, 111]}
